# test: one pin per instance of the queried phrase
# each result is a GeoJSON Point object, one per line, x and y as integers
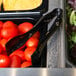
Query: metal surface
{"type": "Point", "coordinates": [37, 72]}
{"type": "Point", "coordinates": [55, 55]}
{"type": "Point", "coordinates": [56, 44]}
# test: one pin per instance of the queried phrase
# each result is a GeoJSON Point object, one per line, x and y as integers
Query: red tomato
{"type": "Point", "coordinates": [25, 27]}
{"type": "Point", "coordinates": [1, 48]}
{"type": "Point", "coordinates": [15, 61]}
{"type": "Point", "coordinates": [19, 53]}
{"type": "Point", "coordinates": [0, 35]}
{"type": "Point", "coordinates": [26, 64]}
{"type": "Point", "coordinates": [1, 25]}
{"type": "Point", "coordinates": [3, 42]}
{"type": "Point", "coordinates": [4, 52]}
{"type": "Point", "coordinates": [37, 35]}
{"type": "Point", "coordinates": [9, 24]}
{"type": "Point", "coordinates": [32, 42]}
{"type": "Point", "coordinates": [28, 52]}
{"type": "Point", "coordinates": [4, 61]}
{"type": "Point", "coordinates": [9, 33]}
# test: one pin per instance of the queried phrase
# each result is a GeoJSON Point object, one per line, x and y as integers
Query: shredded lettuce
{"type": "Point", "coordinates": [73, 37]}
{"type": "Point", "coordinates": [73, 18]}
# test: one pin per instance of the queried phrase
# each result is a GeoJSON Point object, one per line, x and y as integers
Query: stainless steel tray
{"type": "Point", "coordinates": [56, 50]}
{"type": "Point", "coordinates": [55, 47]}
{"type": "Point", "coordinates": [38, 72]}
{"type": "Point", "coordinates": [56, 44]}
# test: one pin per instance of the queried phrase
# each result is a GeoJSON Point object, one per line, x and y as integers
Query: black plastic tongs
{"type": "Point", "coordinates": [20, 40]}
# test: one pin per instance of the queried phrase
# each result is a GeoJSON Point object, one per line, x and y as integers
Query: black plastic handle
{"type": "Point", "coordinates": [55, 25]}
{"type": "Point", "coordinates": [46, 18]}
{"type": "Point", "coordinates": [20, 40]}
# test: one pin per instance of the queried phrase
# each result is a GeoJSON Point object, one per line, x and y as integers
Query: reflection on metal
{"type": "Point", "coordinates": [44, 73]}
{"type": "Point", "coordinates": [74, 72]}
{"type": "Point", "coordinates": [37, 72]}
{"type": "Point", "coordinates": [56, 44]}
{"type": "Point", "coordinates": [13, 72]}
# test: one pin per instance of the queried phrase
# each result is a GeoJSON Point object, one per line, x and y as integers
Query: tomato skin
{"type": "Point", "coordinates": [1, 25]}
{"type": "Point", "coordinates": [32, 42]}
{"type": "Point", "coordinates": [9, 24]}
{"type": "Point", "coordinates": [4, 52]}
{"type": "Point", "coordinates": [15, 61]}
{"type": "Point", "coordinates": [19, 53]}
{"type": "Point", "coordinates": [9, 30]}
{"type": "Point", "coordinates": [37, 35]}
{"type": "Point", "coordinates": [28, 52]}
{"type": "Point", "coordinates": [9, 33]}
{"type": "Point", "coordinates": [0, 36]}
{"type": "Point", "coordinates": [26, 64]}
{"type": "Point", "coordinates": [1, 48]}
{"type": "Point", "coordinates": [3, 42]}
{"type": "Point", "coordinates": [4, 61]}
{"type": "Point", "coordinates": [25, 27]}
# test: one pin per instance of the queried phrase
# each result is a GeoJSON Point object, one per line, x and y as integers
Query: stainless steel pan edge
{"type": "Point", "coordinates": [56, 50]}
{"type": "Point", "coordinates": [61, 48]}
{"type": "Point", "coordinates": [38, 72]}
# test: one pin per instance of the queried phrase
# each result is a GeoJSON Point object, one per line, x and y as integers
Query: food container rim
{"type": "Point", "coordinates": [42, 9]}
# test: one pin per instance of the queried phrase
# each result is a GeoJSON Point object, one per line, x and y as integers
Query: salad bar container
{"type": "Point", "coordinates": [54, 54]}
{"type": "Point", "coordinates": [59, 52]}
{"type": "Point", "coordinates": [31, 16]}
{"type": "Point", "coordinates": [42, 32]}
{"type": "Point", "coordinates": [42, 8]}
{"type": "Point", "coordinates": [34, 16]}
{"type": "Point", "coordinates": [47, 58]}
